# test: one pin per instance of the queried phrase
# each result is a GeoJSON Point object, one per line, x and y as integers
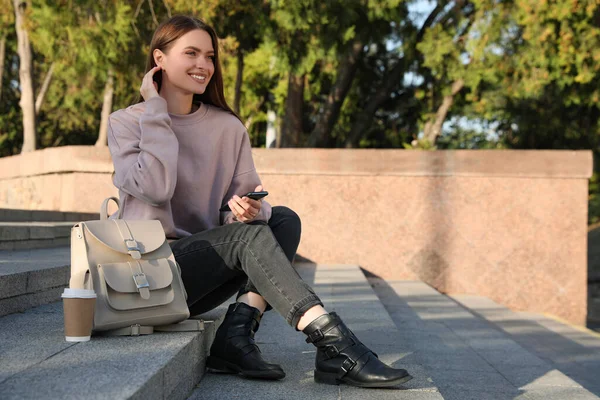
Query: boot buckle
{"type": "Point", "coordinates": [332, 351]}
{"type": "Point", "coordinates": [346, 367]}
{"type": "Point", "coordinates": [315, 336]}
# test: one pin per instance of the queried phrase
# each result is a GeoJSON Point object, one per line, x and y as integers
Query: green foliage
{"type": "Point", "coordinates": [531, 69]}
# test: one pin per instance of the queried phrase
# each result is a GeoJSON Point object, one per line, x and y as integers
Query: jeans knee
{"type": "Point", "coordinates": [260, 230]}
{"type": "Point", "coordinates": [290, 217]}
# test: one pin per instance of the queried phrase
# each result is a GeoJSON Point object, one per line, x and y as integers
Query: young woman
{"type": "Point", "coordinates": [182, 154]}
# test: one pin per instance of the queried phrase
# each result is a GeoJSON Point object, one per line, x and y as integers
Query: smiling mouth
{"type": "Point", "coordinates": [199, 78]}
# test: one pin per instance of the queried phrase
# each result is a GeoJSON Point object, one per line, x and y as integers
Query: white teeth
{"type": "Point", "coordinates": [198, 77]}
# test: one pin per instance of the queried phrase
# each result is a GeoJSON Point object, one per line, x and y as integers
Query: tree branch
{"type": "Point", "coordinates": [168, 8]}
{"type": "Point", "coordinates": [137, 10]}
{"type": "Point", "coordinates": [152, 12]}
{"type": "Point", "coordinates": [106, 109]}
{"type": "Point", "coordinates": [382, 93]}
{"type": "Point", "coordinates": [40, 97]}
{"type": "Point", "coordinates": [337, 95]}
{"type": "Point", "coordinates": [428, 22]}
{"type": "Point", "coordinates": [434, 129]}
{"type": "Point", "coordinates": [390, 81]}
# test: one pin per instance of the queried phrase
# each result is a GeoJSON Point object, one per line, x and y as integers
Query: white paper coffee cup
{"type": "Point", "coordinates": [78, 306]}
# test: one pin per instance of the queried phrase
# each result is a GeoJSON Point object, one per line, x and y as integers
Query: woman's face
{"type": "Point", "coordinates": [189, 64]}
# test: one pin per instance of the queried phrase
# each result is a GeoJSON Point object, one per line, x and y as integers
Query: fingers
{"type": "Point", "coordinates": [150, 74]}
{"type": "Point", "coordinates": [243, 210]}
{"type": "Point", "coordinates": [149, 88]}
{"type": "Point", "coordinates": [253, 203]}
{"type": "Point", "coordinates": [259, 188]}
{"type": "Point", "coordinates": [238, 211]}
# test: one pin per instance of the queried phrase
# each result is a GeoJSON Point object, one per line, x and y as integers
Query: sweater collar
{"type": "Point", "coordinates": [190, 119]}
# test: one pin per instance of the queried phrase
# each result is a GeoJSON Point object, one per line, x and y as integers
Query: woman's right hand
{"type": "Point", "coordinates": [149, 88]}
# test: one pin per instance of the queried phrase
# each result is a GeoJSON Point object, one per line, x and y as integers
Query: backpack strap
{"type": "Point", "coordinates": [188, 325]}
{"type": "Point", "coordinates": [133, 330]}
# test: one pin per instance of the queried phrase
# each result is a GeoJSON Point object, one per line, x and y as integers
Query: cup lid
{"type": "Point", "coordinates": [79, 293]}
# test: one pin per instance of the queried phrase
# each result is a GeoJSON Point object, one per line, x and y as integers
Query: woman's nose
{"type": "Point", "coordinates": [202, 63]}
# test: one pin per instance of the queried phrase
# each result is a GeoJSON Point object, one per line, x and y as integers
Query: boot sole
{"type": "Point", "coordinates": [332, 379]}
{"type": "Point", "coordinates": [219, 365]}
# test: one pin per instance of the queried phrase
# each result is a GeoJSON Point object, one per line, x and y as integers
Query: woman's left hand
{"type": "Point", "coordinates": [245, 209]}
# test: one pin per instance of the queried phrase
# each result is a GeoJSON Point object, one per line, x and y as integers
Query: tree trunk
{"type": "Point", "coordinates": [271, 139]}
{"type": "Point", "coordinates": [333, 105]}
{"type": "Point", "coordinates": [44, 89]}
{"type": "Point", "coordinates": [238, 81]}
{"type": "Point", "coordinates": [2, 55]}
{"type": "Point", "coordinates": [291, 127]}
{"type": "Point", "coordinates": [25, 77]}
{"type": "Point", "coordinates": [106, 109]}
{"type": "Point", "coordinates": [433, 129]}
{"type": "Point", "coordinates": [364, 119]}
{"type": "Point", "coordinates": [388, 84]}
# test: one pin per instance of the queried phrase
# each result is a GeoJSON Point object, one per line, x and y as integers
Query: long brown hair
{"type": "Point", "coordinates": [166, 34]}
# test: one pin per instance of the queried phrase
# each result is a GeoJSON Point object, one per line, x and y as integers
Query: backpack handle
{"type": "Point", "coordinates": [104, 208]}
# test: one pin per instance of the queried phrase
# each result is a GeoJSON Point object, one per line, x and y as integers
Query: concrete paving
{"type": "Point", "coordinates": [342, 289]}
{"type": "Point", "coordinates": [569, 350]}
{"type": "Point", "coordinates": [12, 215]}
{"type": "Point", "coordinates": [462, 348]}
{"type": "Point", "coordinates": [37, 363]}
{"type": "Point", "coordinates": [468, 356]}
{"type": "Point", "coordinates": [34, 235]}
{"type": "Point", "coordinates": [29, 278]}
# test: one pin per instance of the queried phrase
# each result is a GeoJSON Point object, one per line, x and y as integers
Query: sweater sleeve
{"type": "Point", "coordinates": [145, 159]}
{"type": "Point", "coordinates": [245, 179]}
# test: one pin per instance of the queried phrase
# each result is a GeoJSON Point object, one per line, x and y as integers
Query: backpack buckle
{"type": "Point", "coordinates": [140, 280]}
{"type": "Point", "coordinates": [133, 249]}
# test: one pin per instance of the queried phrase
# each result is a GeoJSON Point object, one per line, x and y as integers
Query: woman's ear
{"type": "Point", "coordinates": [159, 57]}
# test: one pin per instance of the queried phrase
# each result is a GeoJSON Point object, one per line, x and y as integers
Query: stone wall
{"type": "Point", "coordinates": [510, 225]}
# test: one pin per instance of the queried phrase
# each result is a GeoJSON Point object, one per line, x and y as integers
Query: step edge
{"type": "Point", "coordinates": [517, 315]}
{"type": "Point", "coordinates": [203, 338]}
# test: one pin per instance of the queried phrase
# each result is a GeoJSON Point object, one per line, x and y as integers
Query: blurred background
{"type": "Point", "coordinates": [353, 73]}
{"type": "Point", "coordinates": [413, 74]}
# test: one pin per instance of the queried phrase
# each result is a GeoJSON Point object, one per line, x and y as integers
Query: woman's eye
{"type": "Point", "coordinates": [191, 53]}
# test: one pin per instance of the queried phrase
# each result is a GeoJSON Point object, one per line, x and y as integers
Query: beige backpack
{"type": "Point", "coordinates": [130, 266]}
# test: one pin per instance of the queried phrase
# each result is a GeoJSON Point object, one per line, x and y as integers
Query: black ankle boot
{"type": "Point", "coordinates": [234, 350]}
{"type": "Point", "coordinates": [342, 358]}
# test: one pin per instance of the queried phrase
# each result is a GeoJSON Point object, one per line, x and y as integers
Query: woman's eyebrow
{"type": "Point", "coordinates": [198, 50]}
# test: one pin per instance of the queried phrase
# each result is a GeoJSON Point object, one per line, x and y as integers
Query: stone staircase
{"type": "Point", "coordinates": [24, 229]}
{"type": "Point", "coordinates": [459, 347]}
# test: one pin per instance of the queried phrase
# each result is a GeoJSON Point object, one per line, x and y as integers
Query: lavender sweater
{"type": "Point", "coordinates": [180, 169]}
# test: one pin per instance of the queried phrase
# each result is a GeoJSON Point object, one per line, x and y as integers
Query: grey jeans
{"type": "Point", "coordinates": [238, 257]}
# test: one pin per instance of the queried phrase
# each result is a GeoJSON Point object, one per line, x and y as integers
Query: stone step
{"type": "Point", "coordinates": [572, 350]}
{"type": "Point", "coordinates": [13, 215]}
{"type": "Point", "coordinates": [34, 235]}
{"type": "Point", "coordinates": [37, 363]}
{"type": "Point", "coordinates": [344, 289]}
{"type": "Point", "coordinates": [472, 357]}
{"type": "Point", "coordinates": [30, 278]}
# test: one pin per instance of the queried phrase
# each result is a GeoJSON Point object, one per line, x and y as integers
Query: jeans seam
{"type": "Point", "coordinates": [265, 273]}
{"type": "Point", "coordinates": [290, 302]}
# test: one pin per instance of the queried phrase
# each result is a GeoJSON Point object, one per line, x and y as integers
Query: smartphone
{"type": "Point", "coordinates": [252, 195]}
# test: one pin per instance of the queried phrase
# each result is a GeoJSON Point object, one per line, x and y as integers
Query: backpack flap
{"type": "Point", "coordinates": [133, 238]}
{"type": "Point", "coordinates": [137, 284]}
